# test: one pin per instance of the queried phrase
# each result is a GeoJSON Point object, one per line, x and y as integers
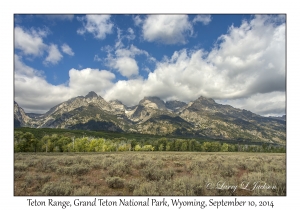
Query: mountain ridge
{"type": "Point", "coordinates": [201, 117]}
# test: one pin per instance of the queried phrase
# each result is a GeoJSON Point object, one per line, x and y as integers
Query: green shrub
{"type": "Point", "coordinates": [146, 189]}
{"type": "Point", "coordinates": [178, 164]}
{"type": "Point", "coordinates": [20, 166]}
{"type": "Point", "coordinates": [55, 189]}
{"type": "Point", "coordinates": [107, 162]}
{"type": "Point", "coordinates": [115, 182]}
{"type": "Point", "coordinates": [42, 179]}
{"type": "Point", "coordinates": [66, 161]}
{"type": "Point", "coordinates": [46, 164]}
{"type": "Point", "coordinates": [119, 169]}
{"type": "Point", "coordinates": [154, 173]}
{"type": "Point", "coordinates": [227, 171]}
{"type": "Point", "coordinates": [74, 170]}
{"type": "Point", "coordinates": [140, 164]}
{"type": "Point", "coordinates": [132, 185]}
{"type": "Point", "coordinates": [83, 191]}
{"type": "Point", "coordinates": [18, 174]}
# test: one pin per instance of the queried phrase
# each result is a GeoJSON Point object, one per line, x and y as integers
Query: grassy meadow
{"type": "Point", "coordinates": [150, 173]}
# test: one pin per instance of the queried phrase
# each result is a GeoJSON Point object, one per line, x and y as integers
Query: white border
{"type": "Point", "coordinates": [9, 8]}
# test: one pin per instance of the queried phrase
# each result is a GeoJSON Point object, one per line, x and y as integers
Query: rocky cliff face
{"type": "Point", "coordinates": [77, 113]}
{"type": "Point", "coordinates": [202, 117]}
{"type": "Point", "coordinates": [147, 108]}
{"type": "Point", "coordinates": [118, 105]}
{"type": "Point", "coordinates": [153, 103]}
{"type": "Point", "coordinates": [225, 122]}
{"type": "Point", "coordinates": [20, 117]}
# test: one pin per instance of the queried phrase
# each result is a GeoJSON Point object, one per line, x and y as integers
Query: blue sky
{"type": "Point", "coordinates": [234, 59]}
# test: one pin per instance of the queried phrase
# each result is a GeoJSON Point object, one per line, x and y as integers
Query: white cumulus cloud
{"type": "Point", "coordinates": [126, 66]}
{"type": "Point", "coordinates": [67, 49]}
{"type": "Point", "coordinates": [130, 92]}
{"type": "Point", "coordinates": [167, 29]}
{"type": "Point", "coordinates": [98, 25]}
{"type": "Point", "coordinates": [30, 42]}
{"type": "Point", "coordinates": [246, 66]}
{"type": "Point", "coordinates": [23, 70]}
{"type": "Point", "coordinates": [204, 19]}
{"type": "Point", "coordinates": [130, 35]}
{"type": "Point", "coordinates": [137, 20]}
{"type": "Point", "coordinates": [83, 81]}
{"type": "Point", "coordinates": [269, 104]}
{"type": "Point", "coordinates": [124, 61]}
{"type": "Point", "coordinates": [60, 17]}
{"type": "Point", "coordinates": [54, 55]}
{"type": "Point", "coordinates": [34, 94]}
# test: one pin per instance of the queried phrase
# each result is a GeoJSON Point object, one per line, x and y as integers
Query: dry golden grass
{"type": "Point", "coordinates": [150, 173]}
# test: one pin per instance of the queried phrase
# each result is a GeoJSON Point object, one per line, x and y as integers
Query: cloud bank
{"type": "Point", "coordinates": [31, 44]}
{"type": "Point", "coordinates": [246, 69]}
{"type": "Point", "coordinates": [247, 63]}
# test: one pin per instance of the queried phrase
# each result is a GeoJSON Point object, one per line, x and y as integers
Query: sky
{"type": "Point", "coordinates": [237, 59]}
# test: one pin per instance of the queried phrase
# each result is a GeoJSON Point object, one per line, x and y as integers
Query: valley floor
{"type": "Point", "coordinates": [149, 173]}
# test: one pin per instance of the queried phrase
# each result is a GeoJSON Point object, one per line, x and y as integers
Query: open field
{"type": "Point", "coordinates": [150, 173]}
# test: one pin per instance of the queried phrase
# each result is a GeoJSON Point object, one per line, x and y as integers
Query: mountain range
{"type": "Point", "coordinates": [200, 118]}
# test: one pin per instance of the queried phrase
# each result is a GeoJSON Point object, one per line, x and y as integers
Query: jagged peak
{"type": "Point", "coordinates": [153, 101]}
{"type": "Point", "coordinates": [204, 99]}
{"type": "Point", "coordinates": [115, 101]}
{"type": "Point", "coordinates": [91, 94]}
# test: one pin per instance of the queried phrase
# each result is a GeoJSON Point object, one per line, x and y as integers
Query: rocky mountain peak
{"type": "Point", "coordinates": [202, 117]}
{"type": "Point", "coordinates": [20, 117]}
{"type": "Point", "coordinates": [91, 94]}
{"type": "Point", "coordinates": [153, 102]}
{"type": "Point", "coordinates": [116, 102]}
{"type": "Point", "coordinates": [118, 105]}
{"type": "Point", "coordinates": [205, 101]}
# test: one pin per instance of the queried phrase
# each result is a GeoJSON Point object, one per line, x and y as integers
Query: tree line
{"type": "Point", "coordinates": [27, 142]}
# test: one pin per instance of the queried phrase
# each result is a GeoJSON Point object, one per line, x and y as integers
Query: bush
{"type": "Point", "coordinates": [132, 185]}
{"type": "Point", "coordinates": [139, 164]}
{"type": "Point", "coordinates": [178, 164]}
{"type": "Point", "coordinates": [83, 191]}
{"type": "Point", "coordinates": [227, 171]}
{"type": "Point", "coordinates": [188, 187]}
{"type": "Point", "coordinates": [74, 170]}
{"type": "Point", "coordinates": [42, 179]}
{"type": "Point", "coordinates": [146, 189]}
{"type": "Point", "coordinates": [66, 161]}
{"type": "Point", "coordinates": [119, 169]}
{"type": "Point", "coordinates": [115, 182]}
{"type": "Point", "coordinates": [46, 165]}
{"type": "Point", "coordinates": [20, 167]}
{"type": "Point", "coordinates": [153, 173]}
{"type": "Point", "coordinates": [18, 174]}
{"type": "Point", "coordinates": [54, 189]}
{"type": "Point", "coordinates": [107, 162]}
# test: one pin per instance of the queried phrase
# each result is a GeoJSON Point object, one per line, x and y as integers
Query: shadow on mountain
{"type": "Point", "coordinates": [17, 123]}
{"type": "Point", "coordinates": [93, 125]}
